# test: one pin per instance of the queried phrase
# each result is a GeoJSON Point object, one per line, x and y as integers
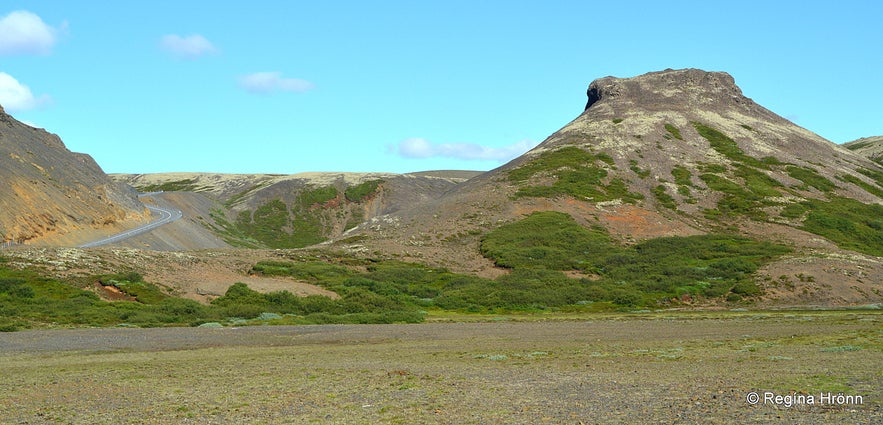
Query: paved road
{"type": "Point", "coordinates": [167, 215]}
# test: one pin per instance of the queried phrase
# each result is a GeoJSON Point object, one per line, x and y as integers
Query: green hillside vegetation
{"type": "Point", "coordinates": [657, 269]}
{"type": "Point", "coordinates": [307, 221]}
{"type": "Point", "coordinates": [362, 191]}
{"type": "Point", "coordinates": [185, 185]}
{"type": "Point", "coordinates": [537, 250]}
{"type": "Point", "coordinates": [748, 190]}
{"type": "Point", "coordinates": [28, 299]}
{"type": "Point", "coordinates": [673, 131]}
{"type": "Point", "coordinates": [576, 172]}
{"type": "Point", "coordinates": [848, 223]}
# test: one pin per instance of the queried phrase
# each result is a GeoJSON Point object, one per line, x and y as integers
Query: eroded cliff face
{"type": "Point", "coordinates": [49, 192]}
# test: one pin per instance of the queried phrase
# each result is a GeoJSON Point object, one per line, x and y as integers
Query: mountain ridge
{"type": "Point", "coordinates": [52, 196]}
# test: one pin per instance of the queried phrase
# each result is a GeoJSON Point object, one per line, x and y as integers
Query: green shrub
{"type": "Point", "coordinates": [545, 239]}
{"type": "Point", "coordinates": [746, 288]}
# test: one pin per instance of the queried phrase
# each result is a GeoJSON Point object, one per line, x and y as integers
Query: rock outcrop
{"type": "Point", "coordinates": [52, 194]}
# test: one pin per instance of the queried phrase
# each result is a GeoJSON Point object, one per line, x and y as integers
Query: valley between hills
{"type": "Point", "coordinates": [671, 251]}
{"type": "Point", "coordinates": [671, 190]}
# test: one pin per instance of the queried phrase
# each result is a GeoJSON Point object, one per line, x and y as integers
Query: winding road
{"type": "Point", "coordinates": [167, 215]}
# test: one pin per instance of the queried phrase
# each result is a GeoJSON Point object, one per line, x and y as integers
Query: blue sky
{"type": "Point", "coordinates": [398, 86]}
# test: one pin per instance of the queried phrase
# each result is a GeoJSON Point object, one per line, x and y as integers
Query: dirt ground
{"type": "Point", "coordinates": [701, 368]}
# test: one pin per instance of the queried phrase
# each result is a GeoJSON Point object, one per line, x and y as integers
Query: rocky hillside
{"type": "Point", "coordinates": [670, 153]}
{"type": "Point", "coordinates": [869, 147]}
{"type": "Point", "coordinates": [51, 195]}
{"type": "Point", "coordinates": [288, 211]}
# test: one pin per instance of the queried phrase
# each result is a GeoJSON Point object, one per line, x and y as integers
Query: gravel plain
{"type": "Point", "coordinates": [654, 368]}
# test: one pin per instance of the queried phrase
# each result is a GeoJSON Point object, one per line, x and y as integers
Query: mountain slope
{"type": "Point", "coordinates": [285, 211]}
{"type": "Point", "coordinates": [869, 147]}
{"type": "Point", "coordinates": [52, 195]}
{"type": "Point", "coordinates": [670, 153]}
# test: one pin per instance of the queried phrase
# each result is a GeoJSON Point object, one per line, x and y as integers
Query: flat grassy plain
{"type": "Point", "coordinates": [671, 367]}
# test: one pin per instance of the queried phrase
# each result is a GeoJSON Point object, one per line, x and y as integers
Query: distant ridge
{"type": "Point", "coordinates": [869, 147]}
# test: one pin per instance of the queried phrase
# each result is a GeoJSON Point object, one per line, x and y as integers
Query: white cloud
{"type": "Point", "coordinates": [421, 148]}
{"type": "Point", "coordinates": [15, 96]}
{"type": "Point", "coordinates": [22, 32]}
{"type": "Point", "coordinates": [268, 82]}
{"type": "Point", "coordinates": [190, 47]}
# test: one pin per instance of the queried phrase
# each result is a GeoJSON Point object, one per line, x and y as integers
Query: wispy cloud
{"type": "Point", "coordinates": [269, 82]}
{"type": "Point", "coordinates": [15, 96]}
{"type": "Point", "coordinates": [24, 33]}
{"type": "Point", "coordinates": [422, 148]}
{"type": "Point", "coordinates": [189, 47]}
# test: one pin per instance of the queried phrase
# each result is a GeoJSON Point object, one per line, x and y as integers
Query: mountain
{"type": "Point", "coordinates": [869, 147]}
{"type": "Point", "coordinates": [51, 195]}
{"type": "Point", "coordinates": [670, 153]}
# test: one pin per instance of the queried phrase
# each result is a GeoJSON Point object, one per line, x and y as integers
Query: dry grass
{"type": "Point", "coordinates": [654, 368]}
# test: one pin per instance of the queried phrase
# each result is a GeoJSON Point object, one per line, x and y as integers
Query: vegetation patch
{"type": "Point", "coordinates": [654, 270]}
{"type": "Point", "coordinates": [810, 177]}
{"type": "Point", "coordinates": [133, 285]}
{"type": "Point", "coordinates": [642, 173]}
{"type": "Point", "coordinates": [848, 223]}
{"type": "Point", "coordinates": [671, 129]}
{"type": "Point", "coordinates": [726, 146]}
{"type": "Point", "coordinates": [185, 185]}
{"type": "Point", "coordinates": [362, 191]}
{"type": "Point", "coordinates": [874, 190]}
{"type": "Point", "coordinates": [307, 220]}
{"type": "Point", "coordinates": [576, 172]}
{"type": "Point", "coordinates": [28, 299]}
{"type": "Point", "coordinates": [877, 176]}
{"type": "Point", "coordinates": [551, 239]}
{"type": "Point", "coordinates": [737, 200]}
{"type": "Point", "coordinates": [663, 197]}
{"type": "Point", "coordinates": [682, 176]}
